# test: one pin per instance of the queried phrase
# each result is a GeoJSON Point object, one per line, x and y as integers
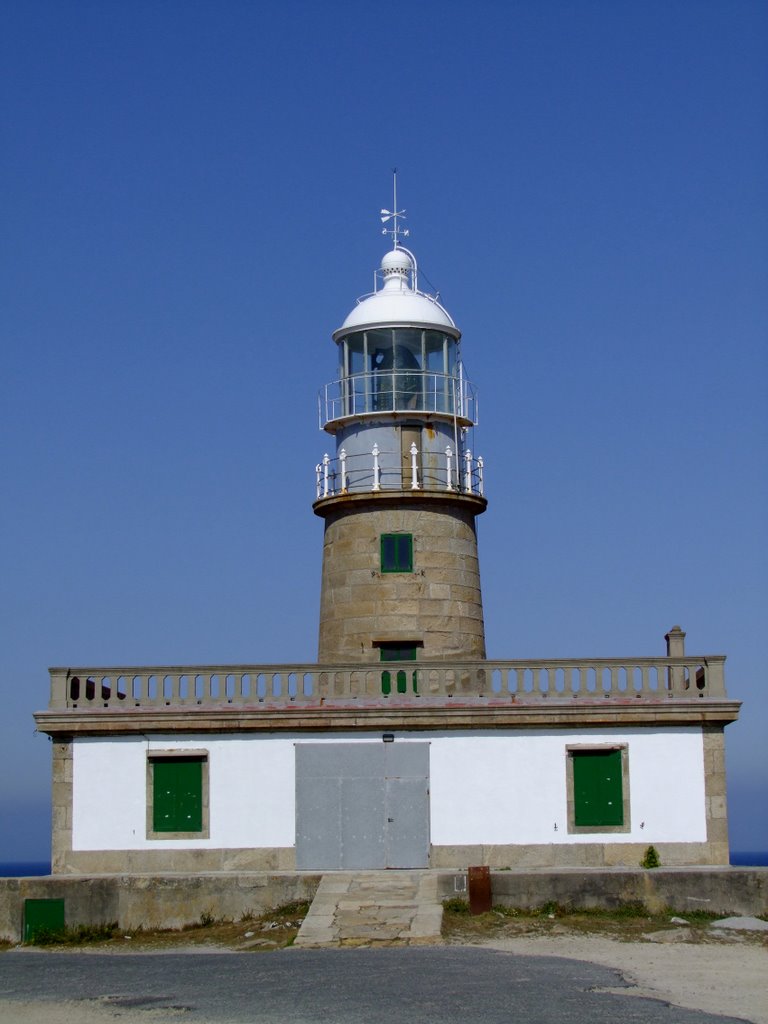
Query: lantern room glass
{"type": "Point", "coordinates": [398, 369]}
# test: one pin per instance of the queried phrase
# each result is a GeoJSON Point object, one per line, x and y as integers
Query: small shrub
{"type": "Point", "coordinates": [651, 858]}
{"type": "Point", "coordinates": [299, 908]}
{"type": "Point", "coordinates": [552, 909]}
{"type": "Point", "coordinates": [456, 905]}
{"type": "Point", "coordinates": [207, 919]}
{"type": "Point", "coordinates": [504, 911]}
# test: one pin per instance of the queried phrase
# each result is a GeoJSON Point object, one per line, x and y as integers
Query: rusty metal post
{"type": "Point", "coordinates": [479, 889]}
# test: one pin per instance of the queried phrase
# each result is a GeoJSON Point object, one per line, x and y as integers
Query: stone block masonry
{"type": "Point", "coordinates": [438, 604]}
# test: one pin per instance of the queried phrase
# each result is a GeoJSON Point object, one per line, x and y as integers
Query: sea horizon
{"type": "Point", "coordinates": [35, 868]}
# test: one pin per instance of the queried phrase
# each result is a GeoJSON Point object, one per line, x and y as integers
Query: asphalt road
{"type": "Point", "coordinates": [423, 985]}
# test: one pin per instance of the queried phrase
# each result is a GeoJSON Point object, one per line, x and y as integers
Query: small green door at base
{"type": "Point", "coordinates": [42, 915]}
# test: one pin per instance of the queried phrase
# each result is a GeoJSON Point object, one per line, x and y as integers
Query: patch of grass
{"type": "Point", "coordinates": [76, 936]}
{"type": "Point", "coordinates": [299, 908]}
{"type": "Point", "coordinates": [632, 921]}
{"type": "Point", "coordinates": [695, 917]}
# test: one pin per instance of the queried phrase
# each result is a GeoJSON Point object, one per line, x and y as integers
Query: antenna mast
{"type": "Point", "coordinates": [394, 215]}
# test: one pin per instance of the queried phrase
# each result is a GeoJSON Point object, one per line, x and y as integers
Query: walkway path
{"type": "Point", "coordinates": [363, 908]}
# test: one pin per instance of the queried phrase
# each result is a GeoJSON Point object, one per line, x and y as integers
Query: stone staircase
{"type": "Point", "coordinates": [365, 908]}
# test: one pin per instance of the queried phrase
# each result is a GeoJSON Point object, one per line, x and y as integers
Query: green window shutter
{"type": "Point", "coordinates": [177, 794]}
{"type": "Point", "coordinates": [396, 552]}
{"type": "Point", "coordinates": [597, 787]}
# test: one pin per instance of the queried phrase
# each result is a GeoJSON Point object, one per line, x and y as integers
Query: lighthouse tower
{"type": "Point", "coordinates": [400, 495]}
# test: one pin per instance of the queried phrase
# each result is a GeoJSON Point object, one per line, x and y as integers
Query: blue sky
{"type": "Point", "coordinates": [191, 208]}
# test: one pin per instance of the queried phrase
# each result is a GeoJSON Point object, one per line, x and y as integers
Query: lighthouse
{"type": "Point", "coordinates": [403, 488]}
{"type": "Point", "coordinates": [362, 760]}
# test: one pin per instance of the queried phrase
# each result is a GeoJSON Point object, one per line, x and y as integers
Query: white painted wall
{"type": "Point", "coordinates": [485, 788]}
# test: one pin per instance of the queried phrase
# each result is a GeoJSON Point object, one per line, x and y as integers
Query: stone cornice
{"type": "Point", "coordinates": [361, 500]}
{"type": "Point", "coordinates": [575, 714]}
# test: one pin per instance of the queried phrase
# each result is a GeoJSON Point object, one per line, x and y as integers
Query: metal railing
{"type": "Point", "coordinates": [409, 391]}
{"type": "Point", "coordinates": [385, 470]}
{"type": "Point", "coordinates": [688, 678]}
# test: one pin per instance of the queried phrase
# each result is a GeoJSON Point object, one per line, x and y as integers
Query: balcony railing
{"type": "Point", "coordinates": [385, 470]}
{"type": "Point", "coordinates": [407, 391]}
{"type": "Point", "coordinates": [681, 679]}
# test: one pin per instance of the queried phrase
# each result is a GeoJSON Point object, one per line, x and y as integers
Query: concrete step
{"type": "Point", "coordinates": [363, 908]}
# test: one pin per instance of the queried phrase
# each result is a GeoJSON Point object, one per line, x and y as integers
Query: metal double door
{"type": "Point", "coordinates": [362, 805]}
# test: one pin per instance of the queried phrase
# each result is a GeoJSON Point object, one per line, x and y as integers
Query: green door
{"type": "Point", "coordinates": [42, 915]}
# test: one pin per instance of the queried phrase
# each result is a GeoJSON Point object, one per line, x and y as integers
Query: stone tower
{"type": "Point", "coordinates": [399, 498]}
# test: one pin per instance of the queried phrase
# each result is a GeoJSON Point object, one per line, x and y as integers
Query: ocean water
{"type": "Point", "coordinates": [750, 860]}
{"type": "Point", "coordinates": [24, 868]}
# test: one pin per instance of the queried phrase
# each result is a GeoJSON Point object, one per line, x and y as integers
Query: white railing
{"type": "Point", "coordinates": [381, 471]}
{"type": "Point", "coordinates": [683, 679]}
{"type": "Point", "coordinates": [386, 391]}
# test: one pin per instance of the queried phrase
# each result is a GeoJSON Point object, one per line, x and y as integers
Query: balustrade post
{"type": "Point", "coordinates": [376, 468]}
{"type": "Point", "coordinates": [318, 471]}
{"type": "Point", "coordinates": [414, 468]}
{"type": "Point", "coordinates": [480, 465]}
{"type": "Point", "coordinates": [343, 462]}
{"type": "Point", "coordinates": [675, 639]}
{"type": "Point", "coordinates": [326, 473]}
{"type": "Point", "coordinates": [715, 676]}
{"type": "Point", "coordinates": [468, 471]}
{"type": "Point", "coordinates": [448, 468]}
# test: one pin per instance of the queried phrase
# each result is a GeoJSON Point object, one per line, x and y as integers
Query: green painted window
{"type": "Point", "coordinates": [597, 787]}
{"type": "Point", "coordinates": [396, 552]}
{"type": "Point", "coordinates": [398, 652]}
{"type": "Point", "coordinates": [177, 794]}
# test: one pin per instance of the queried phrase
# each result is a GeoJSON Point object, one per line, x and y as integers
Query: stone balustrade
{"type": "Point", "coordinates": [678, 679]}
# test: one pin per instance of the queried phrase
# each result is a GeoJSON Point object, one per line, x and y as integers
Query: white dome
{"type": "Point", "coordinates": [396, 262]}
{"type": "Point", "coordinates": [397, 302]}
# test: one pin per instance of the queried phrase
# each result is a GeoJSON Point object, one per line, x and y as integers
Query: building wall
{"type": "Point", "coordinates": [501, 789]}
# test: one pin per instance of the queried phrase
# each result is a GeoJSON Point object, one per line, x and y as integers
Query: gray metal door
{"type": "Point", "coordinates": [362, 805]}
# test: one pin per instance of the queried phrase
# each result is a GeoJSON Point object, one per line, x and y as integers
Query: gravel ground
{"type": "Point", "coordinates": [727, 979]}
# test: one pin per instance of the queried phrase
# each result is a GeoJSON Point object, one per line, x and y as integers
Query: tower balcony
{"type": "Point", "coordinates": [409, 392]}
{"type": "Point", "coordinates": [450, 473]}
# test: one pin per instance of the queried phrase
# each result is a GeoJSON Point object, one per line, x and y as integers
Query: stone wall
{"type": "Point", "coordinates": [719, 890]}
{"type": "Point", "coordinates": [171, 901]}
{"type": "Point", "coordinates": [152, 901]}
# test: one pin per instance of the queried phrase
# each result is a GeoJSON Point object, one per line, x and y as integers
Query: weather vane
{"type": "Point", "coordinates": [394, 215]}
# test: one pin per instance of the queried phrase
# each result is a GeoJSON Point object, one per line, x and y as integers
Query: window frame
{"type": "Point", "coordinates": [574, 750]}
{"type": "Point", "coordinates": [398, 567]}
{"type": "Point", "coordinates": [202, 756]}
